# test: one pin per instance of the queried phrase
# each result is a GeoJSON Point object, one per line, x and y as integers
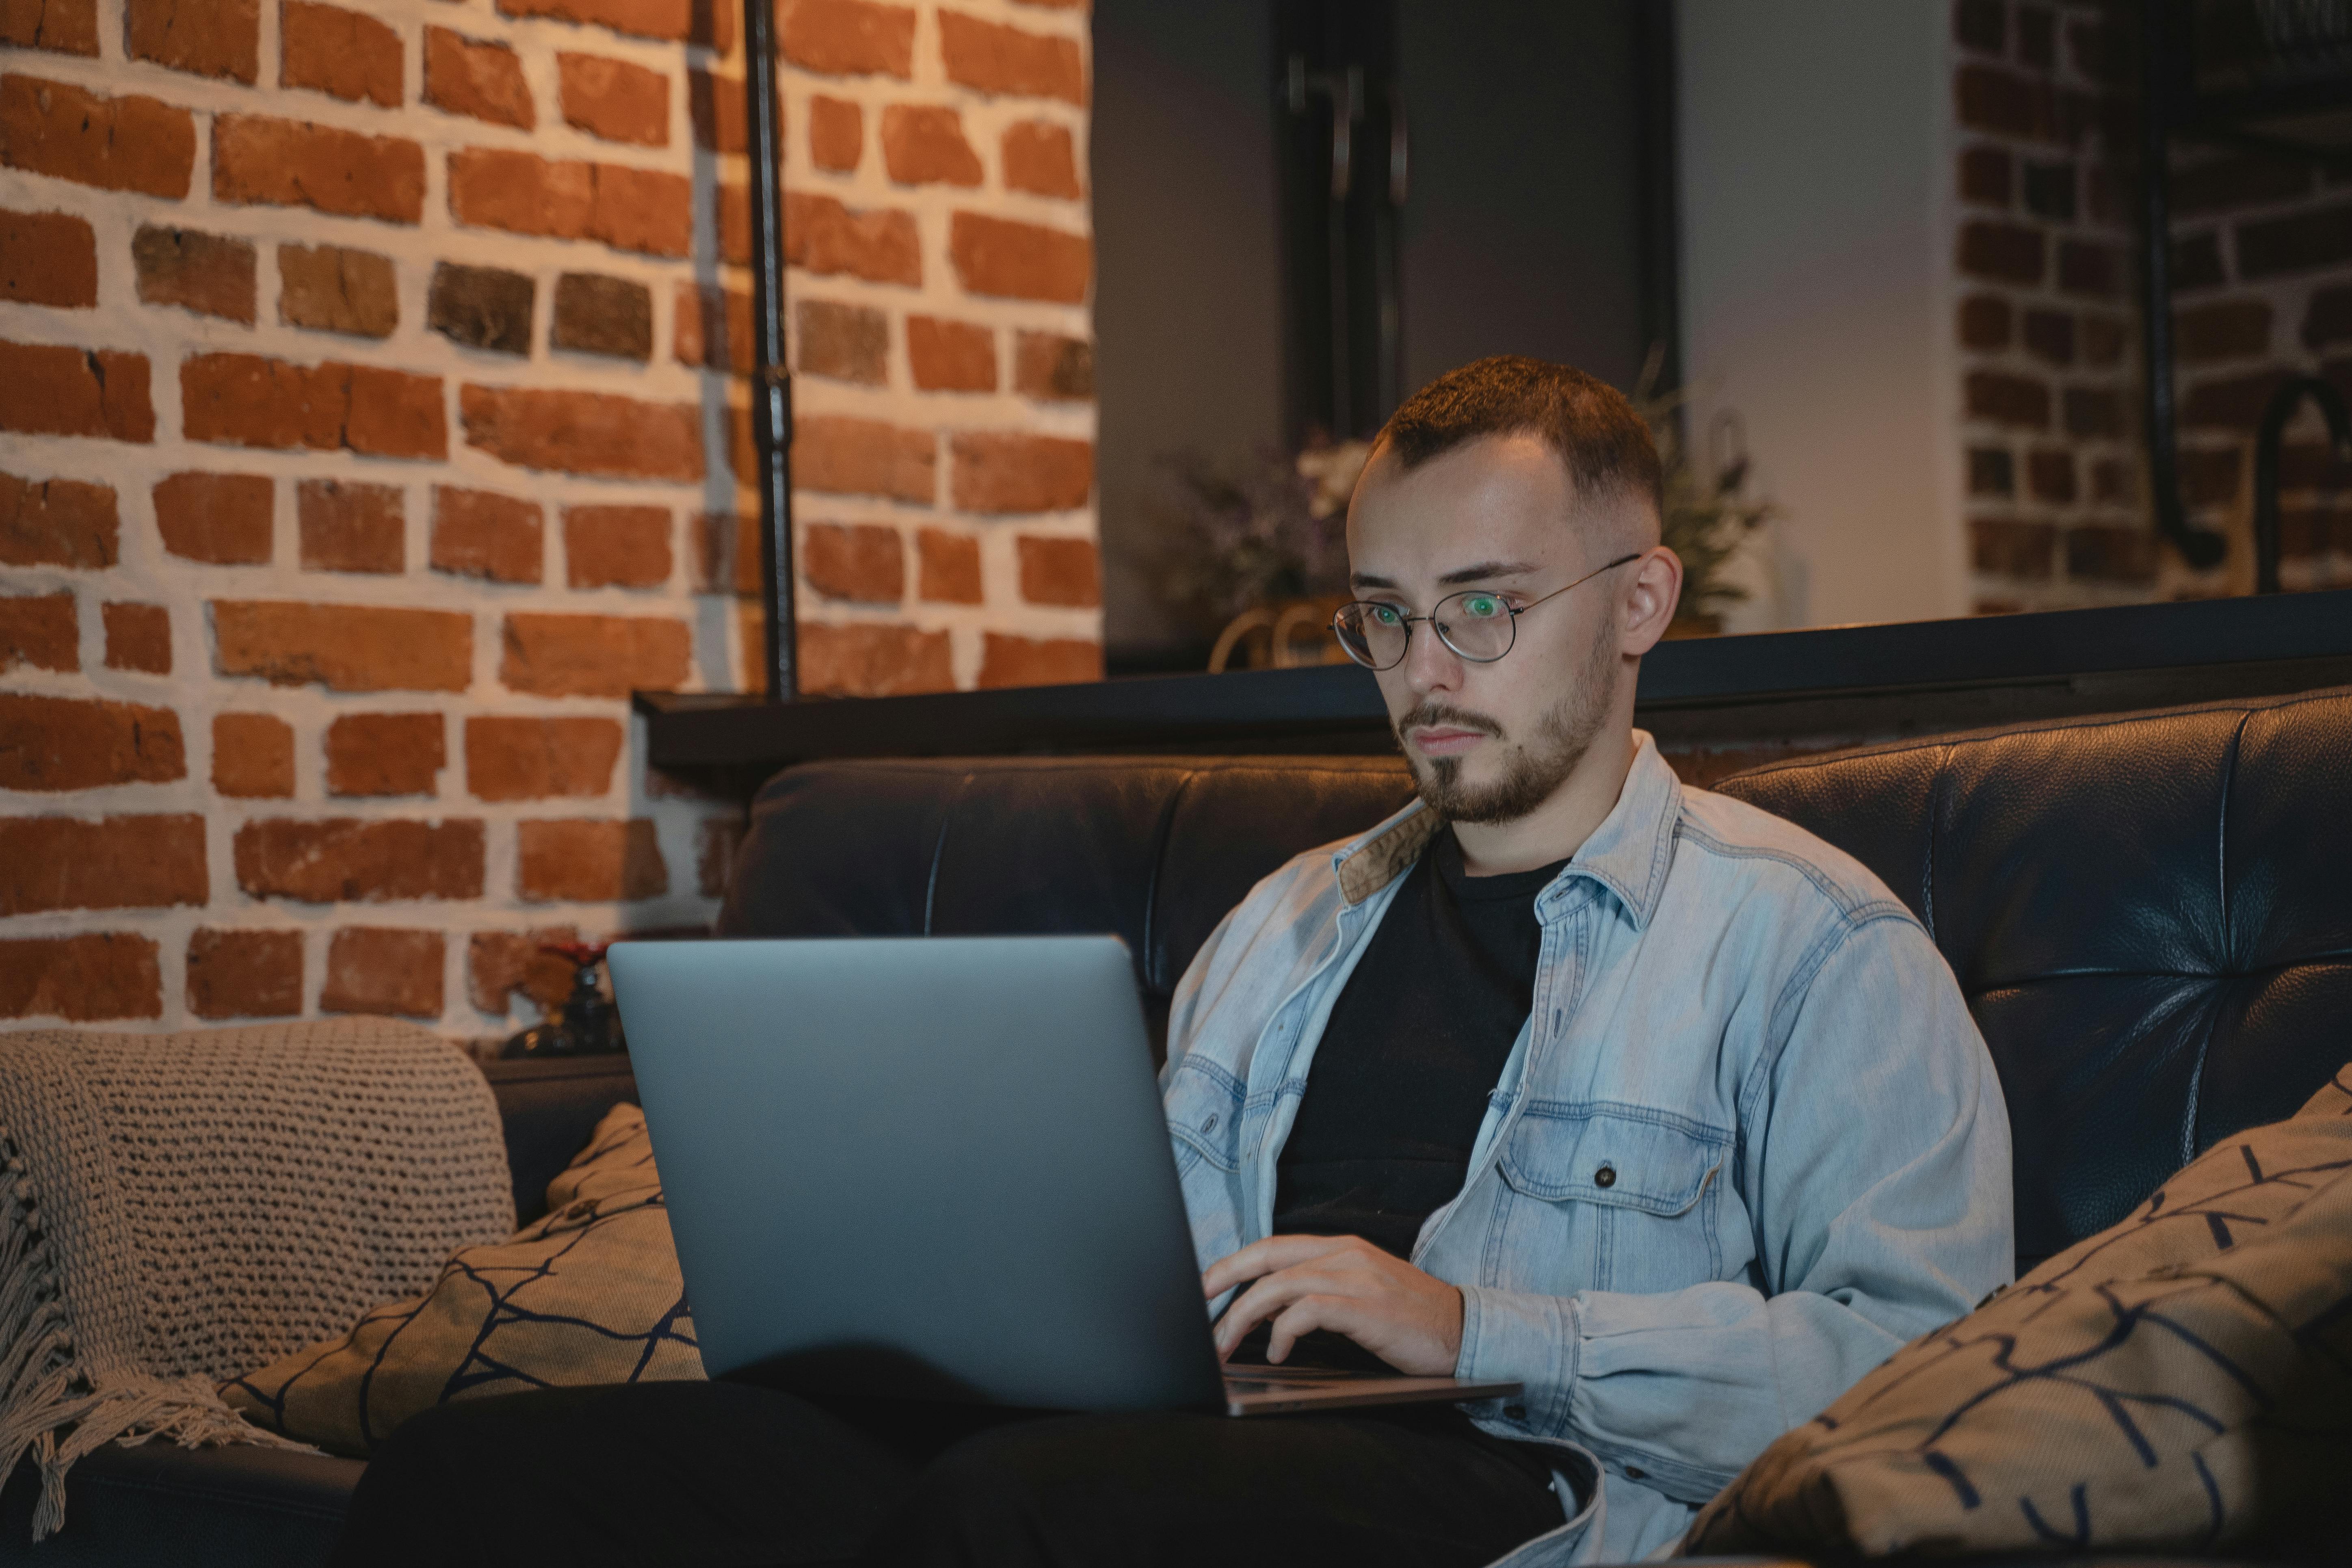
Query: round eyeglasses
{"type": "Point", "coordinates": [1477, 624]}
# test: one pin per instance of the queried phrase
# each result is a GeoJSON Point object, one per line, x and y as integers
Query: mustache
{"type": "Point", "coordinates": [1435, 713]}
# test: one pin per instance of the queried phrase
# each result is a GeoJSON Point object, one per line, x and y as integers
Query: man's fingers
{"type": "Point", "coordinates": [1285, 1267]}
{"type": "Point", "coordinates": [1253, 1306]}
{"type": "Point", "coordinates": [1303, 1317]}
{"type": "Point", "coordinates": [1261, 1257]}
{"type": "Point", "coordinates": [1399, 1313]}
{"type": "Point", "coordinates": [1270, 1295]}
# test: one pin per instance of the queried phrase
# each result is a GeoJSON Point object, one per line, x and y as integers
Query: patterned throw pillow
{"type": "Point", "coordinates": [588, 1294]}
{"type": "Point", "coordinates": [2181, 1382]}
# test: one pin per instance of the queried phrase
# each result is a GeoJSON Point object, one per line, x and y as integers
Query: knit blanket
{"type": "Point", "coordinates": [177, 1208]}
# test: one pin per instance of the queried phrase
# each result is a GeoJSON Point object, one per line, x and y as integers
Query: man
{"type": "Point", "coordinates": [1564, 1074]}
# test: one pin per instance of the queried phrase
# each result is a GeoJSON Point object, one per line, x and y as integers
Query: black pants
{"type": "Point", "coordinates": [724, 1476]}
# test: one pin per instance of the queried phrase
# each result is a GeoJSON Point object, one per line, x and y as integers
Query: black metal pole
{"type": "Point", "coordinates": [1661, 204]}
{"type": "Point", "coordinates": [2199, 547]}
{"type": "Point", "coordinates": [772, 385]}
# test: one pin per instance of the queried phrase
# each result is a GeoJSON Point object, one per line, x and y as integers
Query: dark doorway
{"type": "Point", "coordinates": [1508, 188]}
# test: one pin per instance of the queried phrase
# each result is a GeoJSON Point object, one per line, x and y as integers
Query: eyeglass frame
{"type": "Point", "coordinates": [1516, 611]}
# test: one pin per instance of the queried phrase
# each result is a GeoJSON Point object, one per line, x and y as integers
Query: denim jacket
{"type": "Point", "coordinates": [1747, 1144]}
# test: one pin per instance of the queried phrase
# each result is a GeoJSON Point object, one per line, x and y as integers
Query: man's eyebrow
{"type": "Point", "coordinates": [1480, 572]}
{"type": "Point", "coordinates": [1487, 569]}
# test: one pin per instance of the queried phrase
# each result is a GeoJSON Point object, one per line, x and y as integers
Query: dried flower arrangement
{"type": "Point", "coordinates": [1238, 536]}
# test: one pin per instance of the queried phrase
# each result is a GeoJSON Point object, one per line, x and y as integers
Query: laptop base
{"type": "Point", "coordinates": [1285, 1389]}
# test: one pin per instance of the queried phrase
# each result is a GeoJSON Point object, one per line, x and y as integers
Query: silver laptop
{"type": "Point", "coordinates": [936, 1168]}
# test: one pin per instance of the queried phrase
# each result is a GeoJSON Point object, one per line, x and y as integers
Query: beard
{"type": "Point", "coordinates": [1532, 772]}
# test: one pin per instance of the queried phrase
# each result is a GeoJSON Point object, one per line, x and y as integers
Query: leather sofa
{"type": "Point", "coordinates": [2151, 916]}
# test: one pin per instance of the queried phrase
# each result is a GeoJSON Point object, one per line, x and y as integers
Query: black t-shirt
{"type": "Point", "coordinates": [1399, 1086]}
{"type": "Point", "coordinates": [1415, 1045]}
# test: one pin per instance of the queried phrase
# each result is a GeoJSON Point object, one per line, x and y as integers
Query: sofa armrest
{"type": "Point", "coordinates": [194, 1507]}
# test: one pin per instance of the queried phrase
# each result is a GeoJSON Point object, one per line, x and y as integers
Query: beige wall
{"type": "Point", "coordinates": [1815, 291]}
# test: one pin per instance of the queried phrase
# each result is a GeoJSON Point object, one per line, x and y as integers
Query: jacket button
{"type": "Point", "coordinates": [1606, 1178]}
{"type": "Point", "coordinates": [1635, 1473]}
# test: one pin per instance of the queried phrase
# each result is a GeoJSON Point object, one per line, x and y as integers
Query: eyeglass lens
{"type": "Point", "coordinates": [1477, 626]}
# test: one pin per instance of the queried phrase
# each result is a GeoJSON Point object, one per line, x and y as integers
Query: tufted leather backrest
{"type": "Point", "coordinates": [1152, 849]}
{"type": "Point", "coordinates": [2150, 914]}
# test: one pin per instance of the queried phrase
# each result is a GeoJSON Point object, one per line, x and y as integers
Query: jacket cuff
{"type": "Point", "coordinates": [1531, 1337]}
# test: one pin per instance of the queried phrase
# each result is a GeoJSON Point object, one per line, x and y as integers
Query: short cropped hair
{"type": "Point", "coordinates": [1606, 445]}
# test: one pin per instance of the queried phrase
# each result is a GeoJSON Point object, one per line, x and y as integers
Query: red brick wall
{"type": "Point", "coordinates": [2046, 320]}
{"type": "Point", "coordinates": [2263, 257]}
{"type": "Point", "coordinates": [2049, 321]}
{"type": "Point", "coordinates": [371, 423]}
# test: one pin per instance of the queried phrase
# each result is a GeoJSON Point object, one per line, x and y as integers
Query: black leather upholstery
{"type": "Point", "coordinates": [2151, 916]}
{"type": "Point", "coordinates": [1152, 849]}
{"type": "Point", "coordinates": [264, 1508]}
{"type": "Point", "coordinates": [549, 1108]}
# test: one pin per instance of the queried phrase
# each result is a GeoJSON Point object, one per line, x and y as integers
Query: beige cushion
{"type": "Point", "coordinates": [588, 1294]}
{"type": "Point", "coordinates": [2182, 1381]}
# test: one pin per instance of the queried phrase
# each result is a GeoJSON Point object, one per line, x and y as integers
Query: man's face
{"type": "Point", "coordinates": [1491, 742]}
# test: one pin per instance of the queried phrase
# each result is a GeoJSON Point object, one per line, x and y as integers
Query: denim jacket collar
{"type": "Point", "coordinates": [1367, 865]}
{"type": "Point", "coordinates": [1628, 854]}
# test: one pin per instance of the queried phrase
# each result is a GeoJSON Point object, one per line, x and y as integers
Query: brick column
{"type": "Point", "coordinates": [2046, 329]}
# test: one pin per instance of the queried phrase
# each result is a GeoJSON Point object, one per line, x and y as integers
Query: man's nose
{"type": "Point", "coordinates": [1429, 664]}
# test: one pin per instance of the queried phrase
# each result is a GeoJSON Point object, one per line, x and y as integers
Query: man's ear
{"type": "Point", "coordinates": [1649, 604]}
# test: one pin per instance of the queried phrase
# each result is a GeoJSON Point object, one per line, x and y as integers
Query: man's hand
{"type": "Point", "coordinates": [1347, 1285]}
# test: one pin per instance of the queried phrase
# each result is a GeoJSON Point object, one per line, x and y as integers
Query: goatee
{"type": "Point", "coordinates": [1533, 771]}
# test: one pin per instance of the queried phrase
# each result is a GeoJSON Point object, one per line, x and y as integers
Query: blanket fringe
{"type": "Point", "coordinates": [49, 1408]}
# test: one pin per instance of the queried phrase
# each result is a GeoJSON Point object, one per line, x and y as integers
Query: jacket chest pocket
{"type": "Point", "coordinates": [1614, 1197]}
